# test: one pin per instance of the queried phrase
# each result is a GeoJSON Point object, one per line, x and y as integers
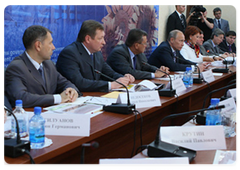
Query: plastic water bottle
{"type": "Point", "coordinates": [37, 129]}
{"type": "Point", "coordinates": [188, 77]}
{"type": "Point", "coordinates": [22, 119]}
{"type": "Point", "coordinates": [213, 117]}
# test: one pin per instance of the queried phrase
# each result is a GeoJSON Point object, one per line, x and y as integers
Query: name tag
{"type": "Point", "coordinates": [67, 124]}
{"type": "Point", "coordinates": [141, 99]}
{"type": "Point", "coordinates": [178, 85]}
{"type": "Point", "coordinates": [195, 137]}
{"type": "Point", "coordinates": [233, 93]}
{"type": "Point", "coordinates": [230, 106]}
{"type": "Point", "coordinates": [208, 76]}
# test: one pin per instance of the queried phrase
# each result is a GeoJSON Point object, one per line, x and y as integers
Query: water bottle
{"type": "Point", "coordinates": [22, 119]}
{"type": "Point", "coordinates": [188, 77]}
{"type": "Point", "coordinates": [37, 129]}
{"type": "Point", "coordinates": [213, 117]}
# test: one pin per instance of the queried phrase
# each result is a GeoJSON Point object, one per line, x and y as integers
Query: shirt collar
{"type": "Point", "coordinates": [86, 49]}
{"type": "Point", "coordinates": [131, 53]}
{"type": "Point", "coordinates": [36, 64]}
{"type": "Point", "coordinates": [178, 14]}
{"type": "Point", "coordinates": [213, 44]}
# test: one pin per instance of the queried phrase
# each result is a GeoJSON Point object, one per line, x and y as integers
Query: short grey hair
{"type": "Point", "coordinates": [217, 32]}
{"type": "Point", "coordinates": [173, 34]}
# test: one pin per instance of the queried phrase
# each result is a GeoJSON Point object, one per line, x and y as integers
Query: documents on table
{"type": "Point", "coordinates": [225, 157]}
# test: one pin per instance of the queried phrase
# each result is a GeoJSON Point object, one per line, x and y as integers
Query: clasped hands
{"type": "Point", "coordinates": [69, 95]}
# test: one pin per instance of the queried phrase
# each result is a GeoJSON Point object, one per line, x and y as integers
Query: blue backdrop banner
{"type": "Point", "coordinates": [65, 21]}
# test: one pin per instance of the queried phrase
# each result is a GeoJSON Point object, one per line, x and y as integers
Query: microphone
{"type": "Point", "coordinates": [221, 70]}
{"type": "Point", "coordinates": [15, 147]}
{"type": "Point", "coordinates": [118, 107]}
{"type": "Point", "coordinates": [164, 92]}
{"type": "Point", "coordinates": [197, 80]}
{"type": "Point", "coordinates": [201, 117]}
{"type": "Point", "coordinates": [159, 148]}
{"type": "Point", "coordinates": [93, 144]}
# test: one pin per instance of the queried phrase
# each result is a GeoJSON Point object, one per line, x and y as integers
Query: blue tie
{"type": "Point", "coordinates": [91, 55]}
{"type": "Point", "coordinates": [134, 62]}
{"type": "Point", "coordinates": [42, 73]}
{"type": "Point", "coordinates": [219, 24]}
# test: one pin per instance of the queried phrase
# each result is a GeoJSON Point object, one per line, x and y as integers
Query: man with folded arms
{"type": "Point", "coordinates": [32, 76]}
{"type": "Point", "coordinates": [129, 57]}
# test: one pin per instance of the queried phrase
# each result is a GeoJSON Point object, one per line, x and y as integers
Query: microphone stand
{"type": "Point", "coordinates": [15, 147]}
{"type": "Point", "coordinates": [159, 148]}
{"type": "Point", "coordinates": [118, 107]}
{"type": "Point", "coordinates": [201, 117]}
{"type": "Point", "coordinates": [164, 92]}
{"type": "Point", "coordinates": [221, 70]}
{"type": "Point", "coordinates": [197, 80]}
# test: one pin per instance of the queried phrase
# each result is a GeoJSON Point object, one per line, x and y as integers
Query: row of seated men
{"type": "Point", "coordinates": [37, 81]}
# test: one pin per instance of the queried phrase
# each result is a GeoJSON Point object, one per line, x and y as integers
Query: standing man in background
{"type": "Point", "coordinates": [219, 22]}
{"type": "Point", "coordinates": [32, 76]}
{"type": "Point", "coordinates": [177, 20]}
{"type": "Point", "coordinates": [79, 60]}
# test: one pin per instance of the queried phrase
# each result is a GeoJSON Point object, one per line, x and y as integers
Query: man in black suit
{"type": "Point", "coordinates": [23, 79]}
{"type": "Point", "coordinates": [129, 57]}
{"type": "Point", "coordinates": [228, 44]}
{"type": "Point", "coordinates": [79, 60]}
{"type": "Point", "coordinates": [177, 20]}
{"type": "Point", "coordinates": [167, 53]}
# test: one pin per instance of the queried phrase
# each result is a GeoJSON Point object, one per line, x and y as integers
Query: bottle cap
{"type": "Point", "coordinates": [37, 110]}
{"type": "Point", "coordinates": [18, 103]}
{"type": "Point", "coordinates": [215, 101]}
{"type": "Point", "coordinates": [188, 68]}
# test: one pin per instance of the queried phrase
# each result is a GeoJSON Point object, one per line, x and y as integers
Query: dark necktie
{"type": "Point", "coordinates": [182, 20]}
{"type": "Point", "coordinates": [174, 56]}
{"type": "Point", "coordinates": [215, 48]}
{"type": "Point", "coordinates": [230, 48]}
{"type": "Point", "coordinates": [40, 70]}
{"type": "Point", "coordinates": [134, 62]}
{"type": "Point", "coordinates": [219, 24]}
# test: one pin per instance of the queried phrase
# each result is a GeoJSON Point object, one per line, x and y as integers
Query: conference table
{"type": "Point", "coordinates": [114, 132]}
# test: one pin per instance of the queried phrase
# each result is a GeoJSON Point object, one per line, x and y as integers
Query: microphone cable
{"type": "Point", "coordinates": [134, 133]}
{"type": "Point", "coordinates": [28, 153]}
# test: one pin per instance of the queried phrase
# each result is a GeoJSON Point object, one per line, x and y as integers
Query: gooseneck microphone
{"type": "Point", "coordinates": [118, 107]}
{"type": "Point", "coordinates": [159, 148]}
{"type": "Point", "coordinates": [93, 145]}
{"type": "Point", "coordinates": [164, 92]}
{"type": "Point", "coordinates": [201, 117]}
{"type": "Point", "coordinates": [221, 70]}
{"type": "Point", "coordinates": [15, 147]}
{"type": "Point", "coordinates": [197, 80]}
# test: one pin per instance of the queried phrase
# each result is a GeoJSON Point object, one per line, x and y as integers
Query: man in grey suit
{"type": "Point", "coordinates": [129, 57]}
{"type": "Point", "coordinates": [211, 45]}
{"type": "Point", "coordinates": [219, 22]}
{"type": "Point", "coordinates": [32, 76]}
{"type": "Point", "coordinates": [79, 60]}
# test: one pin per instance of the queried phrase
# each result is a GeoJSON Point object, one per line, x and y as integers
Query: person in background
{"type": "Point", "coordinates": [190, 50]}
{"type": "Point", "coordinates": [79, 60]}
{"type": "Point", "coordinates": [228, 44]}
{"type": "Point", "coordinates": [219, 22]}
{"type": "Point", "coordinates": [177, 19]}
{"type": "Point", "coordinates": [211, 45]}
{"type": "Point", "coordinates": [168, 53]}
{"type": "Point", "coordinates": [32, 76]}
{"type": "Point", "coordinates": [130, 57]}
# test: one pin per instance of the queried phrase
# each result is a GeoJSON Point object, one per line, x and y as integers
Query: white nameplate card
{"type": "Point", "coordinates": [230, 106]}
{"type": "Point", "coordinates": [141, 99]}
{"type": "Point", "coordinates": [173, 160]}
{"type": "Point", "coordinates": [232, 93]}
{"type": "Point", "coordinates": [195, 137]}
{"type": "Point", "coordinates": [208, 76]}
{"type": "Point", "coordinates": [67, 124]}
{"type": "Point", "coordinates": [178, 85]}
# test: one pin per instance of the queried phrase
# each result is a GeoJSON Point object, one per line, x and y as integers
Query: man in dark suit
{"type": "Point", "coordinates": [130, 57]}
{"type": "Point", "coordinates": [167, 53]}
{"type": "Point", "coordinates": [228, 44]}
{"type": "Point", "coordinates": [23, 79]}
{"type": "Point", "coordinates": [177, 20]}
{"type": "Point", "coordinates": [219, 22]}
{"type": "Point", "coordinates": [79, 60]}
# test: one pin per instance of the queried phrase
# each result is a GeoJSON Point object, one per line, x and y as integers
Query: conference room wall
{"type": "Point", "coordinates": [228, 13]}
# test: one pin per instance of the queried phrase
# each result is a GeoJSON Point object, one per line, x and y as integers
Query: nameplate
{"type": "Point", "coordinates": [230, 106]}
{"type": "Point", "coordinates": [67, 124]}
{"type": "Point", "coordinates": [195, 137]}
{"type": "Point", "coordinates": [208, 76]}
{"type": "Point", "coordinates": [232, 93]}
{"type": "Point", "coordinates": [170, 160]}
{"type": "Point", "coordinates": [178, 85]}
{"type": "Point", "coordinates": [141, 99]}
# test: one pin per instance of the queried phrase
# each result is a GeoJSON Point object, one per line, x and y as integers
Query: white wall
{"type": "Point", "coordinates": [228, 13]}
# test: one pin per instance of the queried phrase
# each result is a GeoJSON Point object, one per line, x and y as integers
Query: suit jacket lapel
{"type": "Point", "coordinates": [33, 71]}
